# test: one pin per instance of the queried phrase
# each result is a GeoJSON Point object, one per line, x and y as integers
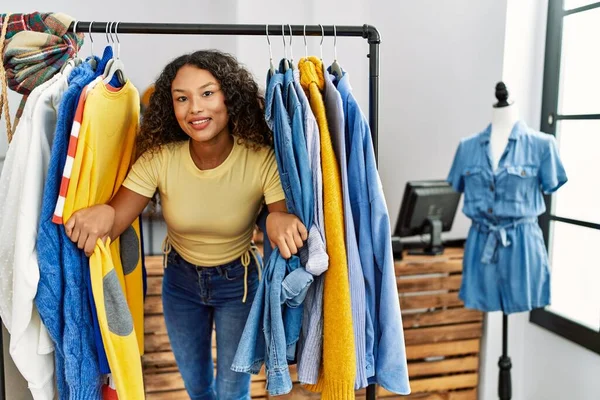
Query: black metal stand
{"type": "Point", "coordinates": [368, 32]}
{"type": "Point", "coordinates": [504, 380]}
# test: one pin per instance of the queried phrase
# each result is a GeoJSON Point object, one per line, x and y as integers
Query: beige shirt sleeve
{"type": "Point", "coordinates": [144, 176]}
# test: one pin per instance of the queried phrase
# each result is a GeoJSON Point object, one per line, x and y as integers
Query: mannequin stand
{"type": "Point", "coordinates": [504, 381]}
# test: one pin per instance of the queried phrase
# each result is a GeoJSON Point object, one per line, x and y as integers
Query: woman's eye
{"type": "Point", "coordinates": [181, 98]}
{"type": "Point", "coordinates": [207, 93]}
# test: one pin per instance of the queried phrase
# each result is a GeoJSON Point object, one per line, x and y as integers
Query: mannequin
{"type": "Point", "coordinates": [504, 116]}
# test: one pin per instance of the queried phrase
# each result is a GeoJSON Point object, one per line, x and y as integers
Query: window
{"type": "Point", "coordinates": [571, 111]}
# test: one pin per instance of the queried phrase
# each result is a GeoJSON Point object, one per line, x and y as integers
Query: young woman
{"type": "Point", "coordinates": [205, 146]}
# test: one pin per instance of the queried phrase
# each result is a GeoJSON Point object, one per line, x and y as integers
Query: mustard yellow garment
{"type": "Point", "coordinates": [103, 157]}
{"type": "Point", "coordinates": [336, 380]}
{"type": "Point", "coordinates": [210, 214]}
{"type": "Point", "coordinates": [117, 324]}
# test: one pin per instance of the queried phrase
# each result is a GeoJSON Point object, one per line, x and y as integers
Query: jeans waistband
{"type": "Point", "coordinates": [245, 259]}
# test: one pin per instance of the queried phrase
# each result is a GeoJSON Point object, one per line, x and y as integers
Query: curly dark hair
{"type": "Point", "coordinates": [245, 104]}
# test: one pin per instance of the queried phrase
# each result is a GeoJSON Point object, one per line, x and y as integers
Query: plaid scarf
{"type": "Point", "coordinates": [37, 46]}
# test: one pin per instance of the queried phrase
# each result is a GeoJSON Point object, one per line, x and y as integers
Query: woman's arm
{"type": "Point", "coordinates": [285, 230]}
{"type": "Point", "coordinates": [89, 224]}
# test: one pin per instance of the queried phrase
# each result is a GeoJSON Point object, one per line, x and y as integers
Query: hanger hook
{"type": "Point", "coordinates": [305, 46]}
{"type": "Point", "coordinates": [334, 43]}
{"type": "Point", "coordinates": [106, 32]}
{"type": "Point", "coordinates": [291, 48]}
{"type": "Point", "coordinates": [322, 38]}
{"type": "Point", "coordinates": [118, 41]}
{"type": "Point", "coordinates": [269, 42]}
{"type": "Point", "coordinates": [283, 38]}
{"type": "Point", "coordinates": [75, 34]}
{"type": "Point", "coordinates": [91, 38]}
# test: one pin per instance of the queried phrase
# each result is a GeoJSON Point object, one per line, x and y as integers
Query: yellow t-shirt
{"type": "Point", "coordinates": [210, 214]}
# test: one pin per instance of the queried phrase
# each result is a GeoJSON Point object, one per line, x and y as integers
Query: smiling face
{"type": "Point", "coordinates": [199, 104]}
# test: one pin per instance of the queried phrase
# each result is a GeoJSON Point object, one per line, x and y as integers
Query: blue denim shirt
{"type": "Point", "coordinates": [278, 302]}
{"type": "Point", "coordinates": [385, 337]}
{"type": "Point", "coordinates": [506, 262]}
{"type": "Point", "coordinates": [335, 120]}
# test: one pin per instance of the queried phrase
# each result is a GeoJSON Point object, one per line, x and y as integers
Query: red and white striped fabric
{"type": "Point", "coordinates": [57, 218]}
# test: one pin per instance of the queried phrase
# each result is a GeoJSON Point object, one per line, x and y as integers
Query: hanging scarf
{"type": "Point", "coordinates": [3, 93]}
{"type": "Point", "coordinates": [37, 46]}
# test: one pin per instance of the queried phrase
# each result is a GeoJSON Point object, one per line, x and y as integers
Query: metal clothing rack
{"type": "Point", "coordinates": [368, 32]}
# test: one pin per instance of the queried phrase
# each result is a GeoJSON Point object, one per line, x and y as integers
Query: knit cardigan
{"type": "Point", "coordinates": [336, 381]}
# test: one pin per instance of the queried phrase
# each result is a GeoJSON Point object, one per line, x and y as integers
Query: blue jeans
{"type": "Point", "coordinates": [193, 298]}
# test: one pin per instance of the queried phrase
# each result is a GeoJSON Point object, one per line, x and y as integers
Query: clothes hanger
{"type": "Point", "coordinates": [335, 67]}
{"type": "Point", "coordinates": [92, 60]}
{"type": "Point", "coordinates": [284, 61]}
{"type": "Point", "coordinates": [117, 67]}
{"type": "Point", "coordinates": [75, 61]}
{"type": "Point", "coordinates": [322, 38]}
{"type": "Point", "coordinates": [109, 43]}
{"type": "Point", "coordinates": [271, 68]}
{"type": "Point", "coordinates": [291, 48]}
{"type": "Point", "coordinates": [305, 46]}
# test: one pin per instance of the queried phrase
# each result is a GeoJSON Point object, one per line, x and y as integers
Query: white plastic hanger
{"type": "Point", "coordinates": [335, 67]}
{"type": "Point", "coordinates": [92, 59]}
{"type": "Point", "coordinates": [286, 63]}
{"type": "Point", "coordinates": [116, 67]}
{"type": "Point", "coordinates": [272, 68]}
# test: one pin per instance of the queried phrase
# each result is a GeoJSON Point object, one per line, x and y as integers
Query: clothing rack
{"type": "Point", "coordinates": [368, 32]}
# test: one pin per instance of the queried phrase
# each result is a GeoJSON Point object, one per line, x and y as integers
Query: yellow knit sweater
{"type": "Point", "coordinates": [336, 380]}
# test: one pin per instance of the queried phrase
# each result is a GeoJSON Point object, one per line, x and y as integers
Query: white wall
{"type": "Point", "coordinates": [546, 366]}
{"type": "Point", "coordinates": [439, 64]}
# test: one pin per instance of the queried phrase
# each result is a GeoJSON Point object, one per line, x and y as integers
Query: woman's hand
{"type": "Point", "coordinates": [88, 225]}
{"type": "Point", "coordinates": [286, 231]}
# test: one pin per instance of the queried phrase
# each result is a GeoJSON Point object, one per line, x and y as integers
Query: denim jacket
{"type": "Point", "coordinates": [278, 301]}
{"type": "Point", "coordinates": [385, 337]}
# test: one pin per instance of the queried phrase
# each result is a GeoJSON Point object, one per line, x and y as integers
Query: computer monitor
{"type": "Point", "coordinates": [427, 207]}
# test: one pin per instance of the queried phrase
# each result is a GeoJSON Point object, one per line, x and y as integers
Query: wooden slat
{"type": "Point", "coordinates": [404, 268]}
{"type": "Point", "coordinates": [443, 349]}
{"type": "Point", "coordinates": [443, 383]}
{"type": "Point", "coordinates": [442, 317]}
{"type": "Point", "coordinates": [442, 333]}
{"type": "Point", "coordinates": [158, 359]}
{"type": "Point", "coordinates": [154, 285]}
{"type": "Point", "coordinates": [470, 394]}
{"type": "Point", "coordinates": [450, 253]}
{"type": "Point", "coordinates": [173, 381]}
{"type": "Point", "coordinates": [154, 265]}
{"type": "Point", "coordinates": [427, 283]}
{"type": "Point", "coordinates": [453, 365]}
{"type": "Point", "coordinates": [428, 301]}
{"type": "Point", "coordinates": [170, 395]}
{"type": "Point", "coordinates": [155, 324]}
{"type": "Point", "coordinates": [153, 305]}
{"type": "Point", "coordinates": [160, 370]}
{"type": "Point", "coordinates": [156, 342]}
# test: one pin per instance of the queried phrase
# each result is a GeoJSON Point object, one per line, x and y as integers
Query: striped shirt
{"type": "Point", "coordinates": [57, 218]}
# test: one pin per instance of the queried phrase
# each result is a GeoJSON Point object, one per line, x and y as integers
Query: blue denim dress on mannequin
{"type": "Point", "coordinates": [506, 262]}
{"type": "Point", "coordinates": [278, 302]}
